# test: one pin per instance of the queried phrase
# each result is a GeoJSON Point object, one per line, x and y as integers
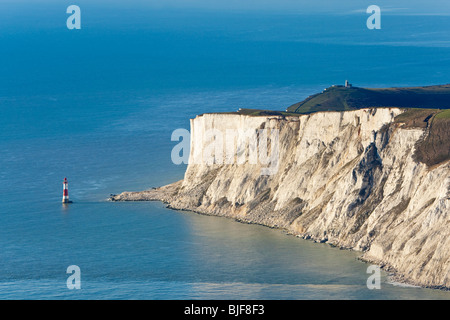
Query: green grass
{"type": "Point", "coordinates": [432, 150]}
{"type": "Point", "coordinates": [435, 147]}
{"type": "Point", "coordinates": [260, 113]}
{"type": "Point", "coordinates": [335, 98]}
{"type": "Point", "coordinates": [416, 117]}
{"type": "Point", "coordinates": [343, 99]}
{"type": "Point", "coordinates": [443, 114]}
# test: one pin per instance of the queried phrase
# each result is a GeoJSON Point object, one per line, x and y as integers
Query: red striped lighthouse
{"type": "Point", "coordinates": [65, 198]}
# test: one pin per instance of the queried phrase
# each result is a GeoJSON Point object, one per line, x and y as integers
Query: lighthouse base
{"type": "Point", "coordinates": [66, 201]}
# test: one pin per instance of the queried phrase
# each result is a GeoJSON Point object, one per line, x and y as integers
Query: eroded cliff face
{"type": "Point", "coordinates": [345, 178]}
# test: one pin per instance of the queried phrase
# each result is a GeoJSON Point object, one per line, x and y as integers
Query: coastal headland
{"type": "Point", "coordinates": [371, 179]}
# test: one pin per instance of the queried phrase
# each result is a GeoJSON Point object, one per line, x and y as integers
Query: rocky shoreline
{"type": "Point", "coordinates": [348, 179]}
{"type": "Point", "coordinates": [164, 194]}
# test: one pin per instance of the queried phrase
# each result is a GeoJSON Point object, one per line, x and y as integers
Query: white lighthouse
{"type": "Point", "coordinates": [65, 198]}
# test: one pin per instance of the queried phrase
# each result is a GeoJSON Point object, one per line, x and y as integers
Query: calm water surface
{"type": "Point", "coordinates": [99, 107]}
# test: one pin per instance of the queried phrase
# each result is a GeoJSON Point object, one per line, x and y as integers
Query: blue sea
{"type": "Point", "coordinates": [98, 106]}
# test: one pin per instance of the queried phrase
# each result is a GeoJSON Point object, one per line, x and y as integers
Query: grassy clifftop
{"type": "Point", "coordinates": [434, 148]}
{"type": "Point", "coordinates": [427, 108]}
{"type": "Point", "coordinates": [339, 98]}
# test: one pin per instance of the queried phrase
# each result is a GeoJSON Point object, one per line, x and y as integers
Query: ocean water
{"type": "Point", "coordinates": [98, 106]}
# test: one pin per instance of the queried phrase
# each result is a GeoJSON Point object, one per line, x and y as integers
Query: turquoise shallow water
{"type": "Point", "coordinates": [99, 107]}
{"type": "Point", "coordinates": [144, 251]}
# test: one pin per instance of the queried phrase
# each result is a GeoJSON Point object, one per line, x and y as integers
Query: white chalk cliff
{"type": "Point", "coordinates": [345, 178]}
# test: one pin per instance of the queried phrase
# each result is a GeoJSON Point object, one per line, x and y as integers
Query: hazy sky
{"type": "Point", "coordinates": [339, 6]}
{"type": "Point", "coordinates": [305, 6]}
{"type": "Point", "coordinates": [291, 6]}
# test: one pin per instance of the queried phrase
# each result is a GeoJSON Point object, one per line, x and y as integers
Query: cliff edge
{"type": "Point", "coordinates": [352, 179]}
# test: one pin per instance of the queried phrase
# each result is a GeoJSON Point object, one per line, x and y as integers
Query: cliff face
{"type": "Point", "coordinates": [345, 178]}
